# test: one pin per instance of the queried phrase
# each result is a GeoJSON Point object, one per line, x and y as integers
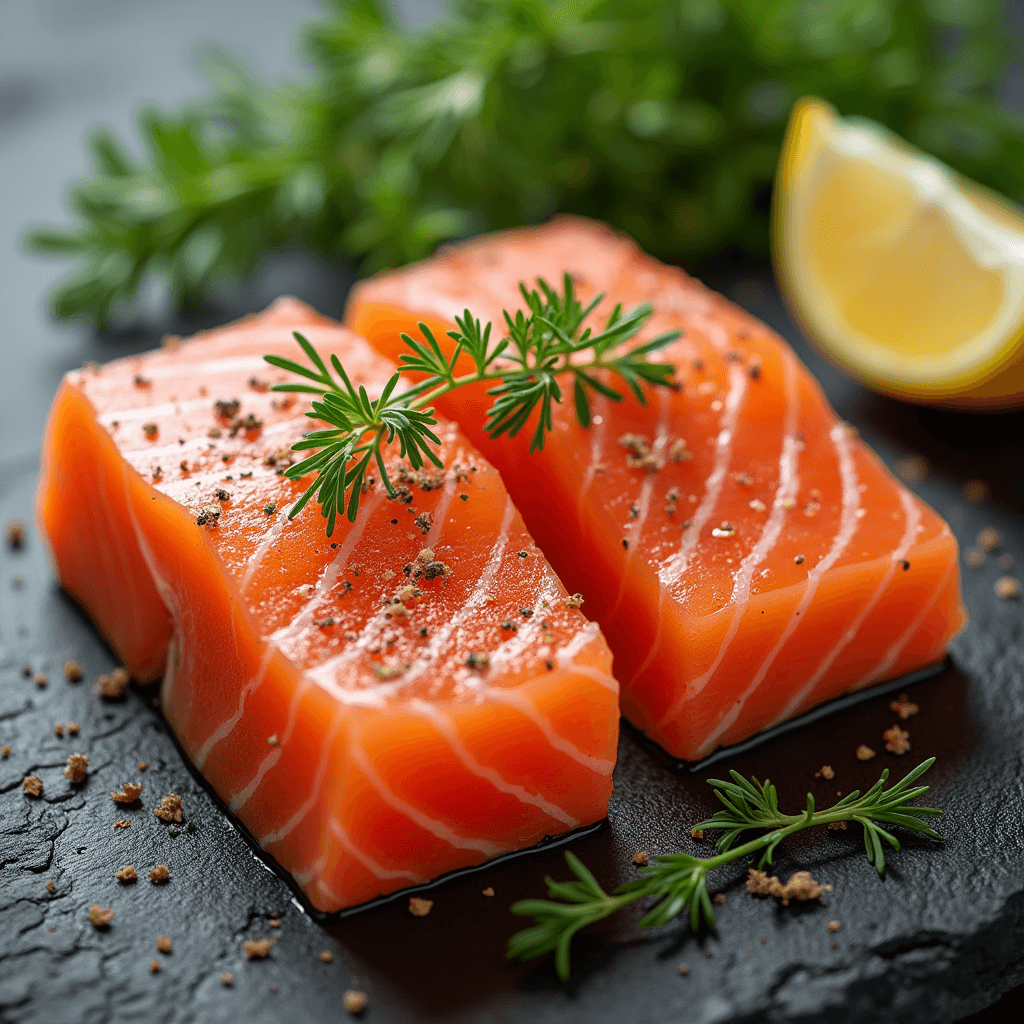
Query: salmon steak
{"type": "Point", "coordinates": [746, 555]}
{"type": "Point", "coordinates": [414, 694]}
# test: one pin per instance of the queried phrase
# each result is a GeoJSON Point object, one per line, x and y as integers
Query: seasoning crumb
{"type": "Point", "coordinates": [72, 671]}
{"type": "Point", "coordinates": [326, 956]}
{"type": "Point", "coordinates": [40, 679]}
{"type": "Point", "coordinates": [697, 833]}
{"type": "Point", "coordinates": [718, 899]}
{"type": "Point", "coordinates": [142, 766]}
{"type": "Point", "coordinates": [128, 794]}
{"type": "Point", "coordinates": [160, 875]}
{"type": "Point", "coordinates": [574, 601]}
{"type": "Point", "coordinates": [904, 707]}
{"type": "Point", "coordinates": [113, 686]}
{"type": "Point", "coordinates": [897, 740]}
{"type": "Point", "coordinates": [164, 943]}
{"type": "Point", "coordinates": [150, 430]}
{"type": "Point", "coordinates": [227, 979]}
{"type": "Point", "coordinates": [5, 751]}
{"type": "Point", "coordinates": [864, 752]}
{"type": "Point", "coordinates": [710, 953]}
{"type": "Point", "coordinates": [15, 532]}
{"type": "Point", "coordinates": [801, 886]}
{"type": "Point", "coordinates": [354, 1002]}
{"type": "Point", "coordinates": [974, 557]}
{"type": "Point", "coordinates": [975, 491]}
{"type": "Point", "coordinates": [825, 772]}
{"type": "Point", "coordinates": [478, 660]}
{"type": "Point", "coordinates": [642, 859]}
{"type": "Point", "coordinates": [489, 891]}
{"type": "Point", "coordinates": [258, 949]}
{"type": "Point", "coordinates": [169, 808]}
{"type": "Point", "coordinates": [419, 907]}
{"type": "Point", "coordinates": [836, 826]}
{"type": "Point", "coordinates": [58, 729]}
{"type": "Point", "coordinates": [683, 969]}
{"type": "Point", "coordinates": [73, 728]}
{"type": "Point", "coordinates": [77, 767]}
{"type": "Point", "coordinates": [33, 785]}
{"type": "Point", "coordinates": [833, 926]}
{"type": "Point", "coordinates": [127, 874]}
{"type": "Point", "coordinates": [274, 922]}
{"type": "Point", "coordinates": [912, 470]}
{"type": "Point", "coordinates": [758, 505]}
{"type": "Point", "coordinates": [51, 887]}
{"type": "Point", "coordinates": [989, 539]}
{"type": "Point", "coordinates": [154, 966]}
{"type": "Point", "coordinates": [100, 918]}
{"type": "Point", "coordinates": [799, 559]}
{"type": "Point", "coordinates": [1007, 588]}
{"type": "Point", "coordinates": [123, 823]}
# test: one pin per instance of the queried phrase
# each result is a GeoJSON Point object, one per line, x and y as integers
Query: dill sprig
{"type": "Point", "coordinates": [678, 882]}
{"type": "Point", "coordinates": [662, 117]}
{"type": "Point", "coordinates": [545, 342]}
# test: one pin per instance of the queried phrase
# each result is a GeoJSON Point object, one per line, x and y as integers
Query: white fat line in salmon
{"type": "Point", "coordinates": [598, 432]}
{"type": "Point", "coordinates": [643, 503]}
{"type": "Point", "coordinates": [366, 860]}
{"type": "Point", "coordinates": [881, 670]}
{"type": "Point", "coordinates": [227, 727]}
{"type": "Point", "coordinates": [529, 630]}
{"type": "Point", "coordinates": [326, 747]}
{"type": "Point", "coordinates": [303, 619]}
{"type": "Point", "coordinates": [848, 522]}
{"type": "Point", "coordinates": [200, 444]}
{"type": "Point", "coordinates": [263, 545]}
{"type": "Point", "coordinates": [242, 795]}
{"type": "Point", "coordinates": [912, 518]}
{"type": "Point", "coordinates": [674, 568]}
{"type": "Point", "coordinates": [306, 875]}
{"type": "Point", "coordinates": [785, 494]}
{"type": "Point", "coordinates": [432, 825]}
{"type": "Point", "coordinates": [443, 723]}
{"type": "Point", "coordinates": [566, 657]}
{"type": "Point", "coordinates": [513, 698]}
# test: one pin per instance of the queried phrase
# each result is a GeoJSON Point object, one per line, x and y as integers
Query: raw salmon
{"type": "Point", "coordinates": [745, 554]}
{"type": "Point", "coordinates": [415, 694]}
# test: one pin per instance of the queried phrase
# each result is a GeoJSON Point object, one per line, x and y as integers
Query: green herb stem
{"type": "Point", "coordinates": [678, 881]}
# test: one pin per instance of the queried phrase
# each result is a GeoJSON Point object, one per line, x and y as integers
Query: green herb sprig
{"type": "Point", "coordinates": [662, 117]}
{"type": "Point", "coordinates": [542, 344]}
{"type": "Point", "coordinates": [678, 882]}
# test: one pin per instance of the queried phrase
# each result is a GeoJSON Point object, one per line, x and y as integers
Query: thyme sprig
{"type": "Point", "coordinates": [545, 342]}
{"type": "Point", "coordinates": [678, 882]}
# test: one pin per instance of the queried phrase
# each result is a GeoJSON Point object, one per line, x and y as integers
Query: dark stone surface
{"type": "Point", "coordinates": [940, 937]}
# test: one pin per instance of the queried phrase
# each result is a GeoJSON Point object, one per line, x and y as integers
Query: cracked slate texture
{"type": "Point", "coordinates": [940, 937]}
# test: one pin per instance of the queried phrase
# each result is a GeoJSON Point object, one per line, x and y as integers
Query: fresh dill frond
{"type": "Point", "coordinates": [662, 117]}
{"type": "Point", "coordinates": [678, 882]}
{"type": "Point", "coordinates": [545, 342]}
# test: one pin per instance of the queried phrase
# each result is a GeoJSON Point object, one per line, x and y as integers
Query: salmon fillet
{"type": "Point", "coordinates": [334, 691]}
{"type": "Point", "coordinates": [747, 557]}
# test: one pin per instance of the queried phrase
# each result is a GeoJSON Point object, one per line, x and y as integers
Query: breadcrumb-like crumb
{"type": "Point", "coordinates": [274, 922]}
{"type": "Point", "coordinates": [51, 887]}
{"type": "Point", "coordinates": [419, 907]}
{"type": "Point", "coordinates": [825, 772]}
{"type": "Point", "coordinates": [129, 793]}
{"type": "Point", "coordinates": [15, 532]}
{"type": "Point", "coordinates": [164, 943]}
{"type": "Point", "coordinates": [58, 730]}
{"type": "Point", "coordinates": [258, 949]}
{"type": "Point", "coordinates": [33, 785]}
{"type": "Point", "coordinates": [77, 767]}
{"type": "Point", "coordinates": [169, 808]}
{"type": "Point", "coordinates": [73, 728]}
{"type": "Point", "coordinates": [904, 707]}
{"type": "Point", "coordinates": [123, 823]}
{"type": "Point", "coordinates": [100, 918]}
{"type": "Point", "coordinates": [72, 671]}
{"type": "Point", "coordinates": [127, 874]}
{"type": "Point", "coordinates": [154, 966]}
{"type": "Point", "coordinates": [113, 686]}
{"type": "Point", "coordinates": [227, 979]}
{"type": "Point", "coordinates": [974, 557]}
{"type": "Point", "coordinates": [354, 1001]}
{"type": "Point", "coordinates": [40, 679]}
{"type": "Point", "coordinates": [160, 875]}
{"type": "Point", "coordinates": [326, 956]}
{"type": "Point", "coordinates": [5, 751]}
{"type": "Point", "coordinates": [489, 891]}
{"type": "Point", "coordinates": [864, 752]}
{"type": "Point", "coordinates": [833, 926]}
{"type": "Point", "coordinates": [1007, 588]}
{"type": "Point", "coordinates": [801, 886]}
{"type": "Point", "coordinates": [718, 899]}
{"type": "Point", "coordinates": [989, 539]}
{"type": "Point", "coordinates": [897, 740]}
{"type": "Point", "coordinates": [642, 858]}
{"type": "Point", "coordinates": [683, 969]}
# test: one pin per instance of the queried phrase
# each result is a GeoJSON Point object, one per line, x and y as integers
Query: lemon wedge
{"type": "Point", "coordinates": [907, 275]}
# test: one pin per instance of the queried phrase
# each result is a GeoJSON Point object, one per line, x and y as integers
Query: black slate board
{"type": "Point", "coordinates": [942, 936]}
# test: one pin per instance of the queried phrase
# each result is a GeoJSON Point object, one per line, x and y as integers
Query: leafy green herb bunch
{"type": "Point", "coordinates": [661, 117]}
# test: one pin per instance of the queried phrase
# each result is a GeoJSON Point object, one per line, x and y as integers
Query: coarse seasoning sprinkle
{"type": "Point", "coordinates": [127, 874]}
{"type": "Point", "coordinates": [128, 794]}
{"type": "Point", "coordinates": [258, 949]}
{"type": "Point", "coordinates": [164, 943]}
{"type": "Point", "coordinates": [72, 671]}
{"type": "Point", "coordinates": [160, 875]}
{"type": "Point", "coordinates": [354, 1001]}
{"type": "Point", "coordinates": [77, 767]}
{"type": "Point", "coordinates": [419, 907]}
